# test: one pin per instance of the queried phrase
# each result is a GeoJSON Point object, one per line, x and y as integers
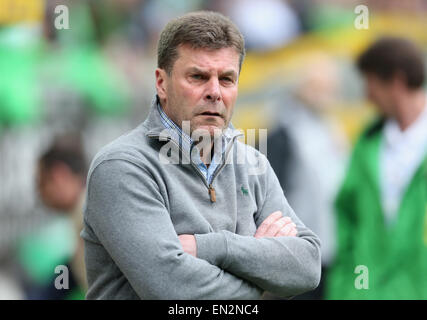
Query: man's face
{"type": "Point", "coordinates": [380, 93]}
{"type": "Point", "coordinates": [58, 187]}
{"type": "Point", "coordinates": [202, 87]}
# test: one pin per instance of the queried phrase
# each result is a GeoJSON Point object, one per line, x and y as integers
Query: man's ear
{"type": "Point", "coordinates": [161, 88]}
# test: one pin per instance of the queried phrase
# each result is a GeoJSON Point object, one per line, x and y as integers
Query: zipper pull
{"type": "Point", "coordinates": [212, 193]}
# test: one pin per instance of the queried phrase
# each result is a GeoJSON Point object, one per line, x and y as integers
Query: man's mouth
{"type": "Point", "coordinates": [209, 113]}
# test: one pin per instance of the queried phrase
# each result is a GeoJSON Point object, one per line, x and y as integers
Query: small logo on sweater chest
{"type": "Point", "coordinates": [244, 191]}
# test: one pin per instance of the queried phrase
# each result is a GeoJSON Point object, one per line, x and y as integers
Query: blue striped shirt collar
{"type": "Point", "coordinates": [176, 132]}
{"type": "Point", "coordinates": [182, 137]}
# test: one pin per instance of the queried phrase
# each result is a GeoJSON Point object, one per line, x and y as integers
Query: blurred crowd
{"type": "Point", "coordinates": [64, 93]}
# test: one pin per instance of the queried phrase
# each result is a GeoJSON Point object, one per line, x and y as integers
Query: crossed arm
{"type": "Point", "coordinates": [284, 264]}
{"type": "Point", "coordinates": [274, 226]}
{"type": "Point", "coordinates": [283, 257]}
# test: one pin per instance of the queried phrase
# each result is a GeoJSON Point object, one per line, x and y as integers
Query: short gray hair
{"type": "Point", "coordinates": [201, 29]}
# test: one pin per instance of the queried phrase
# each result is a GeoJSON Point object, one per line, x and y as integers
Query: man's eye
{"type": "Point", "coordinates": [227, 79]}
{"type": "Point", "coordinates": [197, 76]}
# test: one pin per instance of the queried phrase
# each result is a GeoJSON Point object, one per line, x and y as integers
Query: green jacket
{"type": "Point", "coordinates": [396, 255]}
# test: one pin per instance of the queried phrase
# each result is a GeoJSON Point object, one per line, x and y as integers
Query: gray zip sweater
{"type": "Point", "coordinates": [136, 206]}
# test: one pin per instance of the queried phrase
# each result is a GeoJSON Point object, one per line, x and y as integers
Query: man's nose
{"type": "Point", "coordinates": [213, 91]}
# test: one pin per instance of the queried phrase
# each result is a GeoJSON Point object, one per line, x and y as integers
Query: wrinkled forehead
{"type": "Point", "coordinates": [225, 59]}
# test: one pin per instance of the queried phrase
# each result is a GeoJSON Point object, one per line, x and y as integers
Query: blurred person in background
{"type": "Point", "coordinates": [206, 229]}
{"type": "Point", "coordinates": [382, 203]}
{"type": "Point", "coordinates": [307, 152]}
{"type": "Point", "coordinates": [61, 184]}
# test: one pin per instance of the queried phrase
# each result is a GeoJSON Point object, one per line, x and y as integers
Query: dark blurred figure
{"type": "Point", "coordinates": [307, 152]}
{"type": "Point", "coordinates": [62, 184]}
{"type": "Point", "coordinates": [382, 204]}
{"type": "Point", "coordinates": [62, 174]}
{"type": "Point", "coordinates": [61, 180]}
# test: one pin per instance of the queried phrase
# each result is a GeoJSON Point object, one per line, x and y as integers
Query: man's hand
{"type": "Point", "coordinates": [275, 225]}
{"type": "Point", "coordinates": [188, 242]}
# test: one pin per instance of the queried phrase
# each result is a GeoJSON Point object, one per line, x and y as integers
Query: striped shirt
{"type": "Point", "coordinates": [187, 144]}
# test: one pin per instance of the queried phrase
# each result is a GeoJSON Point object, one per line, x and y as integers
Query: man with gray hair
{"type": "Point", "coordinates": [178, 208]}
